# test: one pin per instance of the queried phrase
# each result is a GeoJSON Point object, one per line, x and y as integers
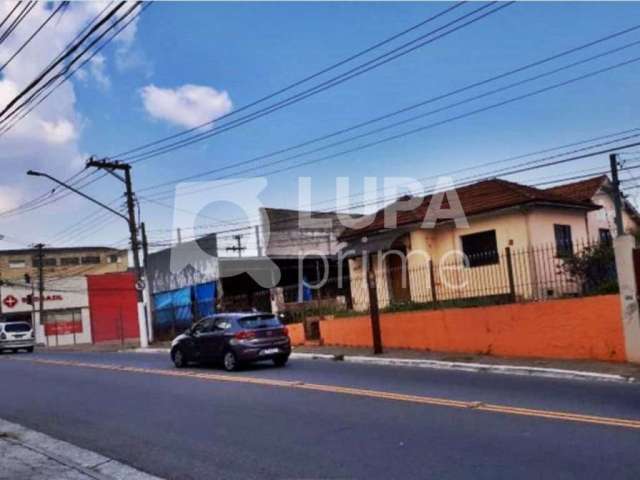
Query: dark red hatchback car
{"type": "Point", "coordinates": [233, 339]}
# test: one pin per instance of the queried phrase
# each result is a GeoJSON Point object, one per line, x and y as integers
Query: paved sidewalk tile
{"type": "Point", "coordinates": [21, 463]}
{"type": "Point", "coordinates": [29, 455]}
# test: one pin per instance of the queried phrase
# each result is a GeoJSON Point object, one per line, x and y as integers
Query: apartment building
{"type": "Point", "coordinates": [21, 265]}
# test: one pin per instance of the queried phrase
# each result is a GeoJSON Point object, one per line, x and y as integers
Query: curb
{"type": "Point", "coordinates": [558, 373]}
{"type": "Point", "coordinates": [86, 463]}
{"type": "Point", "coordinates": [145, 350]}
{"type": "Point", "coordinates": [471, 367]}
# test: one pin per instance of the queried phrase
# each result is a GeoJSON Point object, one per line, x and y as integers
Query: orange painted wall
{"type": "Point", "coordinates": [296, 333]}
{"type": "Point", "coordinates": [580, 328]}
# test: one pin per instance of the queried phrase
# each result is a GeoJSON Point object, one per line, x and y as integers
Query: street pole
{"type": "Point", "coordinates": [145, 244]}
{"type": "Point", "coordinates": [40, 256]}
{"type": "Point", "coordinates": [374, 310]}
{"type": "Point", "coordinates": [617, 198]}
{"type": "Point", "coordinates": [112, 167]}
{"type": "Point", "coordinates": [147, 290]}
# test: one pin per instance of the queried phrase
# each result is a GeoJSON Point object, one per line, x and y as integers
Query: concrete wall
{"type": "Point", "coordinates": [583, 328]}
{"type": "Point", "coordinates": [296, 333]}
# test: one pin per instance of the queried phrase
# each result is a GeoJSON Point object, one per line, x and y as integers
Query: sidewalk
{"type": "Point", "coordinates": [587, 369]}
{"type": "Point", "coordinates": [29, 455]}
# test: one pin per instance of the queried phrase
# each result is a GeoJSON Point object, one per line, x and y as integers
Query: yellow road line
{"type": "Point", "coordinates": [419, 399]}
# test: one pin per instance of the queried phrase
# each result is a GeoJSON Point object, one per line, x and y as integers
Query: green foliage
{"type": "Point", "coordinates": [594, 268]}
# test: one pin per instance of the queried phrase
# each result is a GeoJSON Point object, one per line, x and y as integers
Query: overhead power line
{"type": "Point", "coordinates": [412, 131]}
{"type": "Point", "coordinates": [296, 83]}
{"type": "Point", "coordinates": [54, 195]}
{"type": "Point", "coordinates": [417, 105]}
{"type": "Point", "coordinates": [17, 21]}
{"type": "Point", "coordinates": [52, 87]}
{"type": "Point", "coordinates": [341, 78]}
{"type": "Point", "coordinates": [8, 16]}
{"type": "Point", "coordinates": [35, 82]}
{"type": "Point", "coordinates": [32, 36]}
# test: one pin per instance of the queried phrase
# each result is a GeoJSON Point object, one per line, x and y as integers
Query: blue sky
{"type": "Point", "coordinates": [251, 49]}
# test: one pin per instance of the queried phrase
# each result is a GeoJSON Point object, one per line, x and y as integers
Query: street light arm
{"type": "Point", "coordinates": [69, 187]}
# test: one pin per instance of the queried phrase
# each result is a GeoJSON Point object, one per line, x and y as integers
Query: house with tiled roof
{"type": "Point", "coordinates": [468, 239]}
{"type": "Point", "coordinates": [601, 223]}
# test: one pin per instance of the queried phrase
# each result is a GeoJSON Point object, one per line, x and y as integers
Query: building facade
{"type": "Point", "coordinates": [529, 229]}
{"type": "Point", "coordinates": [21, 265]}
{"type": "Point", "coordinates": [601, 223]}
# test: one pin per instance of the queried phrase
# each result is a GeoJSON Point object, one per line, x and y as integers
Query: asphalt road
{"type": "Point", "coordinates": [321, 419]}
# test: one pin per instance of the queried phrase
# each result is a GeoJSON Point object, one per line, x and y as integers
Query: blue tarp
{"type": "Point", "coordinates": [205, 298]}
{"type": "Point", "coordinates": [163, 309]}
{"type": "Point", "coordinates": [173, 309]}
{"type": "Point", "coordinates": [181, 300]}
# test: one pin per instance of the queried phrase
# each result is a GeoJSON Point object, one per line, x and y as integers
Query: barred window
{"type": "Point", "coordinates": [481, 248]}
{"type": "Point", "coordinates": [91, 259]}
{"type": "Point", "coordinates": [66, 261]}
{"type": "Point", "coordinates": [564, 243]}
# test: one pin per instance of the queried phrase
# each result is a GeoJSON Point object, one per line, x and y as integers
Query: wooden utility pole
{"type": "Point", "coordinates": [374, 311]}
{"type": "Point", "coordinates": [617, 198]}
{"type": "Point", "coordinates": [112, 167]}
{"type": "Point", "coordinates": [145, 244]}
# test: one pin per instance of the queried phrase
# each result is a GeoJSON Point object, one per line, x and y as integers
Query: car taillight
{"type": "Point", "coordinates": [3, 336]}
{"type": "Point", "coordinates": [33, 334]}
{"type": "Point", "coordinates": [285, 331]}
{"type": "Point", "coordinates": [245, 335]}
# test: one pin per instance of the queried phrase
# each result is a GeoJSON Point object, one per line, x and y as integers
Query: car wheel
{"type": "Point", "coordinates": [179, 358]}
{"type": "Point", "coordinates": [29, 349]}
{"type": "Point", "coordinates": [281, 361]}
{"type": "Point", "coordinates": [230, 361]}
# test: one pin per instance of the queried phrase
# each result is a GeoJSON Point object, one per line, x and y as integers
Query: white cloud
{"type": "Point", "coordinates": [60, 132]}
{"type": "Point", "coordinates": [48, 138]}
{"type": "Point", "coordinates": [187, 106]}
{"type": "Point", "coordinates": [97, 67]}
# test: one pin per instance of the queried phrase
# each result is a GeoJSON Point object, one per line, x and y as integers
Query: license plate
{"type": "Point", "coordinates": [269, 351]}
{"type": "Point", "coordinates": [18, 336]}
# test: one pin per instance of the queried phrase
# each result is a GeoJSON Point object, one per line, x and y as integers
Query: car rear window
{"type": "Point", "coordinates": [17, 327]}
{"type": "Point", "coordinates": [264, 321]}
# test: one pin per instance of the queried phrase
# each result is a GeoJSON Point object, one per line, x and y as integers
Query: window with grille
{"type": "Point", "coordinates": [90, 259]}
{"type": "Point", "coordinates": [564, 243]}
{"type": "Point", "coordinates": [480, 248]}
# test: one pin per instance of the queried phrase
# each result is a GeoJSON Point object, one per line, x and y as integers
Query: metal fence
{"type": "Point", "coordinates": [412, 282]}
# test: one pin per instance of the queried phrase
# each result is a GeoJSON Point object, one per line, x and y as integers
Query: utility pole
{"type": "Point", "coordinates": [145, 244]}
{"type": "Point", "coordinates": [617, 198]}
{"type": "Point", "coordinates": [179, 235]}
{"type": "Point", "coordinates": [40, 256]}
{"type": "Point", "coordinates": [237, 248]}
{"type": "Point", "coordinates": [374, 311]}
{"type": "Point", "coordinates": [149, 300]}
{"type": "Point", "coordinates": [112, 167]}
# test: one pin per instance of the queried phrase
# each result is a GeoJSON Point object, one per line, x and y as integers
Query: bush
{"type": "Point", "coordinates": [594, 268]}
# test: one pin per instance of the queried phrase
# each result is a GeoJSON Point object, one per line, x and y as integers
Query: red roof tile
{"type": "Point", "coordinates": [480, 197]}
{"type": "Point", "coordinates": [582, 191]}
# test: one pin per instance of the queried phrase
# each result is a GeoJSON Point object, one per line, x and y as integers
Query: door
{"type": "Point", "coordinates": [399, 277]}
{"type": "Point", "coordinates": [203, 339]}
